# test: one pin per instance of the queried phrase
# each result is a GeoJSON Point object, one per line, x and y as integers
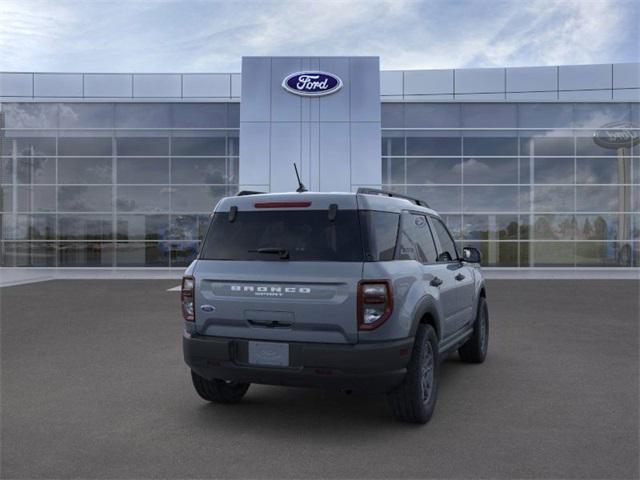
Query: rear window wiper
{"type": "Point", "coordinates": [283, 252]}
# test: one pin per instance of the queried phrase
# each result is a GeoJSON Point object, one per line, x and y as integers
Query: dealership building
{"type": "Point", "coordinates": [537, 167]}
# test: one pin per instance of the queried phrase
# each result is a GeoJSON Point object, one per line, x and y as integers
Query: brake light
{"type": "Point", "coordinates": [375, 303]}
{"type": "Point", "coordinates": [282, 204]}
{"type": "Point", "coordinates": [186, 298]}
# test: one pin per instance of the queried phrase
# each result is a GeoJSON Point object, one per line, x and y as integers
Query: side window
{"type": "Point", "coordinates": [447, 251]}
{"type": "Point", "coordinates": [415, 242]}
{"type": "Point", "coordinates": [380, 231]}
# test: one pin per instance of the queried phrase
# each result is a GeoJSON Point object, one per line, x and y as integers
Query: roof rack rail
{"type": "Point", "coordinates": [375, 191]}
{"type": "Point", "coordinates": [242, 193]}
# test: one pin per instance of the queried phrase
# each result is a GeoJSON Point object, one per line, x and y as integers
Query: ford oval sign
{"type": "Point", "coordinates": [617, 135]}
{"type": "Point", "coordinates": [312, 84]}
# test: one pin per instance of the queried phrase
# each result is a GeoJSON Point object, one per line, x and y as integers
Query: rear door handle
{"type": "Point", "coordinates": [436, 282]}
{"type": "Point", "coordinates": [459, 277]}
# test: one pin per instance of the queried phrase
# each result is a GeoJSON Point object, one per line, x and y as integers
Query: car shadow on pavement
{"type": "Point", "coordinates": [271, 409]}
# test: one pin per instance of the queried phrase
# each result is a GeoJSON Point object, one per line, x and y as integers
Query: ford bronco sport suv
{"type": "Point", "coordinates": [358, 291]}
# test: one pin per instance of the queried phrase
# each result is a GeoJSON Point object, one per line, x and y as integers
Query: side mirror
{"type": "Point", "coordinates": [471, 255]}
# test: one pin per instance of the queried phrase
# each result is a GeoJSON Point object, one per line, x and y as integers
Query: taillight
{"type": "Point", "coordinates": [186, 298]}
{"type": "Point", "coordinates": [375, 303]}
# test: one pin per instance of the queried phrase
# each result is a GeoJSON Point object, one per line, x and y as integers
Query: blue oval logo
{"type": "Point", "coordinates": [312, 84]}
{"type": "Point", "coordinates": [207, 308]}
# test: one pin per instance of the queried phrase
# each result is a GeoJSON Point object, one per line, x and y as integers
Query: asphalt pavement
{"type": "Point", "coordinates": [93, 386]}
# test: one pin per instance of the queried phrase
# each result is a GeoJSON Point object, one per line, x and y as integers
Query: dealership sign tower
{"type": "Point", "coordinates": [321, 112]}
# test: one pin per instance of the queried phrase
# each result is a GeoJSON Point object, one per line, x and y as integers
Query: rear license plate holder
{"type": "Point", "coordinates": [270, 354]}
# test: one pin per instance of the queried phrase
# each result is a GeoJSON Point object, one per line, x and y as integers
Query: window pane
{"type": "Point", "coordinates": [379, 232]}
{"type": "Point", "coordinates": [551, 254]}
{"type": "Point", "coordinates": [143, 199]}
{"type": "Point", "coordinates": [85, 227]}
{"type": "Point", "coordinates": [142, 115]}
{"type": "Point", "coordinates": [96, 254]}
{"type": "Point", "coordinates": [30, 115]}
{"type": "Point", "coordinates": [30, 146]}
{"type": "Point", "coordinates": [83, 115]}
{"type": "Point", "coordinates": [604, 227]}
{"type": "Point", "coordinates": [199, 170]}
{"type": "Point", "coordinates": [432, 146]}
{"type": "Point", "coordinates": [199, 115]}
{"type": "Point", "coordinates": [490, 199]}
{"type": "Point", "coordinates": [447, 245]}
{"type": "Point", "coordinates": [490, 170]}
{"type": "Point", "coordinates": [84, 199]}
{"type": "Point", "coordinates": [604, 254]}
{"type": "Point", "coordinates": [497, 254]}
{"type": "Point", "coordinates": [546, 146]}
{"type": "Point", "coordinates": [84, 170]}
{"type": "Point", "coordinates": [198, 146]}
{"type": "Point", "coordinates": [598, 114]}
{"type": "Point", "coordinates": [415, 240]}
{"type": "Point", "coordinates": [545, 115]}
{"type": "Point", "coordinates": [490, 146]}
{"type": "Point", "coordinates": [393, 144]}
{"type": "Point", "coordinates": [183, 253]}
{"type": "Point", "coordinates": [553, 170]}
{"type": "Point", "coordinates": [490, 227]}
{"type": "Point", "coordinates": [6, 170]}
{"type": "Point", "coordinates": [142, 254]}
{"type": "Point", "coordinates": [392, 115]}
{"type": "Point", "coordinates": [603, 170]}
{"type": "Point", "coordinates": [554, 227]}
{"type": "Point", "coordinates": [196, 199]}
{"type": "Point", "coordinates": [442, 199]}
{"type": "Point", "coordinates": [586, 146]}
{"type": "Point", "coordinates": [432, 115]}
{"type": "Point", "coordinates": [84, 146]}
{"type": "Point", "coordinates": [434, 170]}
{"type": "Point", "coordinates": [393, 171]}
{"type": "Point", "coordinates": [454, 224]}
{"type": "Point", "coordinates": [36, 170]}
{"type": "Point", "coordinates": [143, 170]}
{"type": "Point", "coordinates": [553, 199]}
{"type": "Point", "coordinates": [143, 146]}
{"type": "Point", "coordinates": [603, 199]}
{"type": "Point", "coordinates": [189, 227]}
{"type": "Point", "coordinates": [40, 254]}
{"type": "Point", "coordinates": [28, 227]}
{"type": "Point", "coordinates": [36, 199]}
{"type": "Point", "coordinates": [143, 227]}
{"type": "Point", "coordinates": [489, 115]}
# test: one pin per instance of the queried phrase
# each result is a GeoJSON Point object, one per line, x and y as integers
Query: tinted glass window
{"type": "Point", "coordinates": [447, 245]}
{"type": "Point", "coordinates": [380, 230]}
{"type": "Point", "coordinates": [305, 235]}
{"type": "Point", "coordinates": [416, 242]}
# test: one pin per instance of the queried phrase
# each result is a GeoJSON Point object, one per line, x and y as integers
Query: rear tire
{"type": "Point", "coordinates": [414, 400]}
{"type": "Point", "coordinates": [475, 349]}
{"type": "Point", "coordinates": [219, 391]}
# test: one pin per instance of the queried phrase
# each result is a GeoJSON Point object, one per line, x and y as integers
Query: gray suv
{"type": "Point", "coordinates": [355, 291]}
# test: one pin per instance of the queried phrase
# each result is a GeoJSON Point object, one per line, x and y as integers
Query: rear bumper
{"type": "Point", "coordinates": [372, 367]}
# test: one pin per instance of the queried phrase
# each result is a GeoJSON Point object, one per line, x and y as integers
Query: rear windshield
{"type": "Point", "coordinates": [291, 235]}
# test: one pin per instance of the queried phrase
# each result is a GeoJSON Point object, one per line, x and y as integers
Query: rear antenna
{"type": "Point", "coordinates": [301, 188]}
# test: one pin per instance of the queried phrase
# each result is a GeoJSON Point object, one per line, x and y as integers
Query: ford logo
{"type": "Point", "coordinates": [207, 308]}
{"type": "Point", "coordinates": [617, 135]}
{"type": "Point", "coordinates": [312, 84]}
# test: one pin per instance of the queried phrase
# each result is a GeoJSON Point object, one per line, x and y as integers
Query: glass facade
{"type": "Point", "coordinates": [112, 184]}
{"type": "Point", "coordinates": [525, 183]}
{"type": "Point", "coordinates": [133, 184]}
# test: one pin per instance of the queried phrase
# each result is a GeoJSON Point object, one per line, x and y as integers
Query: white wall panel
{"type": "Point", "coordinates": [206, 85]}
{"type": "Point", "coordinates": [16, 84]}
{"type": "Point", "coordinates": [585, 77]}
{"type": "Point", "coordinates": [57, 85]}
{"type": "Point", "coordinates": [428, 82]}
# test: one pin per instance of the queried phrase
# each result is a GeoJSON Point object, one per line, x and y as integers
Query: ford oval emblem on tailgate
{"type": "Point", "coordinates": [208, 308]}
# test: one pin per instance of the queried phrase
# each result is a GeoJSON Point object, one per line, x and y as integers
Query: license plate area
{"type": "Point", "coordinates": [269, 354]}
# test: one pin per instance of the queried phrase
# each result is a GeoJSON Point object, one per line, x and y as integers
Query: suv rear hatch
{"type": "Point", "coordinates": [281, 267]}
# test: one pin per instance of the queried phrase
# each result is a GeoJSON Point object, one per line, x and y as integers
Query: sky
{"type": "Point", "coordinates": [212, 36]}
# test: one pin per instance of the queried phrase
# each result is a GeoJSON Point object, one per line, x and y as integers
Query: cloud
{"type": "Point", "coordinates": [199, 35]}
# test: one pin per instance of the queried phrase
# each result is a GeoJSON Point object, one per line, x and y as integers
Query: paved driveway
{"type": "Point", "coordinates": [93, 386]}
